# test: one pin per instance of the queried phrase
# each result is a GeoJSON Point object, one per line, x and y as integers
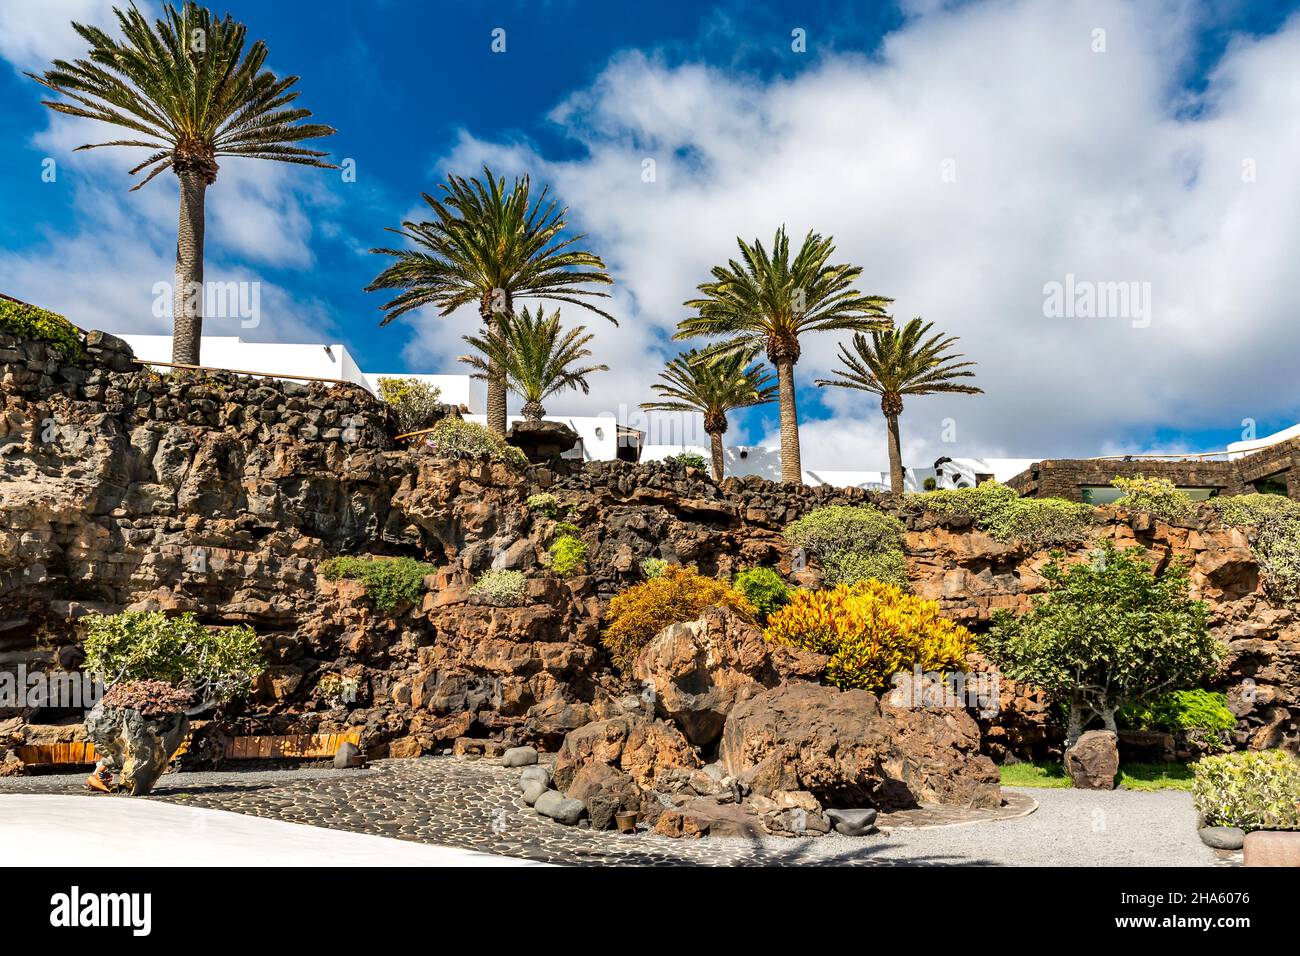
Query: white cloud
{"type": "Point", "coordinates": [1067, 161]}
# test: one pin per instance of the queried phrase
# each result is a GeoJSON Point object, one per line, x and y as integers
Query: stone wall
{"type": "Point", "coordinates": [221, 495]}
{"type": "Point", "coordinates": [1067, 477]}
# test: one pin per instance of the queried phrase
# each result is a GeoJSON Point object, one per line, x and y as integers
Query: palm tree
{"type": "Point", "coordinates": [491, 246]}
{"type": "Point", "coordinates": [188, 91]}
{"type": "Point", "coordinates": [534, 356]}
{"type": "Point", "coordinates": [768, 302]}
{"type": "Point", "coordinates": [696, 382]}
{"type": "Point", "coordinates": [896, 363]}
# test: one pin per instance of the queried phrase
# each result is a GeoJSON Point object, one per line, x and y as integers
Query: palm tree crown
{"type": "Point", "coordinates": [188, 89]}
{"type": "Point", "coordinates": [901, 362]}
{"type": "Point", "coordinates": [535, 356]}
{"type": "Point", "coordinates": [697, 382]}
{"type": "Point", "coordinates": [491, 245]}
{"type": "Point", "coordinates": [189, 93]}
{"type": "Point", "coordinates": [768, 301]}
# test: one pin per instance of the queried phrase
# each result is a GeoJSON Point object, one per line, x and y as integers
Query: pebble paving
{"type": "Point", "coordinates": [475, 804]}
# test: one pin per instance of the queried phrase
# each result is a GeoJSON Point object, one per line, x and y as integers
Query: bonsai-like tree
{"type": "Point", "coordinates": [1107, 633]}
{"type": "Point", "coordinates": [900, 362]}
{"type": "Point", "coordinates": [769, 301]}
{"type": "Point", "coordinates": [151, 646]}
{"type": "Point", "coordinates": [490, 245]}
{"type": "Point", "coordinates": [186, 90]}
{"type": "Point", "coordinates": [692, 382]}
{"type": "Point", "coordinates": [534, 356]}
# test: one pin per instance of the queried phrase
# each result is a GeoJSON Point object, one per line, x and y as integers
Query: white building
{"type": "Point", "coordinates": [631, 434]}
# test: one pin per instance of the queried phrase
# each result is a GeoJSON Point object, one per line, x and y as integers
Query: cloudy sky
{"type": "Point", "coordinates": [971, 157]}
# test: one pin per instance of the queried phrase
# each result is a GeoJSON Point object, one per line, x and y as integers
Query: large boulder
{"type": "Point", "coordinates": [604, 791]}
{"type": "Point", "coordinates": [699, 670]}
{"type": "Point", "coordinates": [1093, 761]}
{"type": "Point", "coordinates": [134, 747]}
{"type": "Point", "coordinates": [638, 747]}
{"type": "Point", "coordinates": [848, 752]}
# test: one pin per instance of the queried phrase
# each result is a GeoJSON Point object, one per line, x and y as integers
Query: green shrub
{"type": "Point", "coordinates": [1000, 511]}
{"type": "Point", "coordinates": [416, 403]}
{"type": "Point", "coordinates": [29, 322]}
{"type": "Point", "coordinates": [568, 555]}
{"type": "Point", "coordinates": [151, 646]}
{"type": "Point", "coordinates": [1250, 511]}
{"type": "Point", "coordinates": [853, 544]}
{"type": "Point", "coordinates": [653, 567]}
{"type": "Point", "coordinates": [1254, 790]}
{"type": "Point", "coordinates": [389, 581]}
{"type": "Point", "coordinates": [1106, 633]}
{"type": "Point", "coordinates": [500, 586]}
{"type": "Point", "coordinates": [564, 529]}
{"type": "Point", "coordinates": [1158, 496]}
{"type": "Point", "coordinates": [636, 614]}
{"type": "Point", "coordinates": [930, 484]}
{"type": "Point", "coordinates": [1277, 544]}
{"type": "Point", "coordinates": [765, 589]}
{"type": "Point", "coordinates": [455, 438]}
{"type": "Point", "coordinates": [1202, 716]}
{"type": "Point", "coordinates": [688, 459]}
{"type": "Point", "coordinates": [545, 504]}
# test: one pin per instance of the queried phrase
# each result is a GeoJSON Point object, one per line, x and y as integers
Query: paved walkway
{"type": "Point", "coordinates": [474, 805]}
{"type": "Point", "coordinates": [87, 831]}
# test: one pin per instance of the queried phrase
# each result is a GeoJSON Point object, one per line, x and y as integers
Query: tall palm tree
{"type": "Point", "coordinates": [768, 301]}
{"type": "Point", "coordinates": [697, 382]}
{"type": "Point", "coordinates": [534, 356]}
{"type": "Point", "coordinates": [190, 93]}
{"type": "Point", "coordinates": [902, 362]}
{"type": "Point", "coordinates": [489, 245]}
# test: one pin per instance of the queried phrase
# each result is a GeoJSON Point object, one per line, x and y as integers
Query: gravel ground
{"type": "Point", "coordinates": [475, 805]}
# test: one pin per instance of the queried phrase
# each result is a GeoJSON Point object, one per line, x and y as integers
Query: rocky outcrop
{"type": "Point", "coordinates": [639, 747]}
{"type": "Point", "coordinates": [699, 670]}
{"type": "Point", "coordinates": [841, 747]}
{"type": "Point", "coordinates": [221, 494]}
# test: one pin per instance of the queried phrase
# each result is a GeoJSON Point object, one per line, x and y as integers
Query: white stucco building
{"type": "Point", "coordinates": [630, 433]}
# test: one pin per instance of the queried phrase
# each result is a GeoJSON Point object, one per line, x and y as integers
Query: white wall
{"type": "Point", "coordinates": [1240, 449]}
{"type": "Point", "coordinates": [230, 351]}
{"type": "Point", "coordinates": [453, 389]}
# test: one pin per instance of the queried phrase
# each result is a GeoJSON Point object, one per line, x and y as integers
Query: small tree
{"type": "Point", "coordinates": [137, 646]}
{"type": "Point", "coordinates": [1107, 633]}
{"type": "Point", "coordinates": [417, 404]}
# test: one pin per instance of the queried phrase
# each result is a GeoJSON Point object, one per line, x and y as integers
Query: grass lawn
{"type": "Point", "coordinates": [1132, 776]}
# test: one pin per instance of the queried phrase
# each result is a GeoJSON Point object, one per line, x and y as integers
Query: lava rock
{"type": "Point", "coordinates": [347, 756]}
{"type": "Point", "coordinates": [559, 808]}
{"type": "Point", "coordinates": [853, 822]}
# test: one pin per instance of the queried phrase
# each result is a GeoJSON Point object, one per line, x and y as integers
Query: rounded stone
{"type": "Point", "coordinates": [519, 757]}
{"type": "Point", "coordinates": [1223, 838]}
{"type": "Point", "coordinates": [853, 822]}
{"type": "Point", "coordinates": [559, 808]}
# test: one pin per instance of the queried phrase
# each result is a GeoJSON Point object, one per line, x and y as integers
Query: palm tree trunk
{"type": "Point", "coordinates": [187, 294]}
{"type": "Point", "coordinates": [791, 468]}
{"type": "Point", "coordinates": [715, 444]}
{"type": "Point", "coordinates": [895, 456]}
{"type": "Point", "coordinates": [496, 384]}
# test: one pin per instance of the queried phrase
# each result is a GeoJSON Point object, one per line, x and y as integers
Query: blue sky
{"type": "Point", "coordinates": [1113, 165]}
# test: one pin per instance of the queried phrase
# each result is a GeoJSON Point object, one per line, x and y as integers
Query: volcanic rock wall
{"type": "Point", "coordinates": [221, 494]}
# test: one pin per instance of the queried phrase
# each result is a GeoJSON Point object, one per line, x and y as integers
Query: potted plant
{"type": "Point", "coordinates": [1250, 796]}
{"type": "Point", "coordinates": [158, 671]}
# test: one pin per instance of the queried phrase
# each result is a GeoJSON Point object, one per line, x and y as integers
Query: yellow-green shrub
{"type": "Point", "coordinates": [1159, 496]}
{"type": "Point", "coordinates": [871, 631]}
{"type": "Point", "coordinates": [1254, 790]}
{"type": "Point", "coordinates": [678, 594]}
